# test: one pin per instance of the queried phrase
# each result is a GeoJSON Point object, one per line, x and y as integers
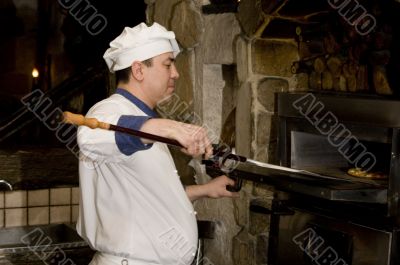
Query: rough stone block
{"type": "Point", "coordinates": [243, 120]}
{"type": "Point", "coordinates": [163, 12]}
{"type": "Point", "coordinates": [261, 154]}
{"type": "Point", "coordinates": [230, 90]}
{"type": "Point", "coordinates": [259, 222]}
{"type": "Point", "coordinates": [213, 85]}
{"type": "Point", "coordinates": [273, 58]}
{"type": "Point", "coordinates": [250, 16]}
{"type": "Point", "coordinates": [200, 3]}
{"type": "Point", "coordinates": [150, 14]}
{"type": "Point", "coordinates": [221, 243]}
{"type": "Point", "coordinates": [241, 206]}
{"type": "Point", "coordinates": [262, 250]}
{"type": "Point", "coordinates": [179, 106]}
{"type": "Point", "coordinates": [263, 191]}
{"type": "Point", "coordinates": [187, 23]}
{"type": "Point", "coordinates": [266, 91]}
{"type": "Point", "coordinates": [218, 40]}
{"type": "Point", "coordinates": [253, 131]}
{"type": "Point", "coordinates": [265, 137]}
{"type": "Point", "coordinates": [184, 85]}
{"type": "Point", "coordinates": [242, 59]}
{"type": "Point", "coordinates": [264, 122]}
{"type": "Point", "coordinates": [243, 249]}
{"type": "Point", "coordinates": [221, 212]}
{"type": "Point", "coordinates": [301, 82]}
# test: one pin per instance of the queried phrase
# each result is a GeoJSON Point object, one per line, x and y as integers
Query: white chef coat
{"type": "Point", "coordinates": [132, 203]}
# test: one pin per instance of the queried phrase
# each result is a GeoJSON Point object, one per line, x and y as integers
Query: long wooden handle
{"type": "Point", "coordinates": [80, 120]}
{"type": "Point", "coordinates": [93, 123]}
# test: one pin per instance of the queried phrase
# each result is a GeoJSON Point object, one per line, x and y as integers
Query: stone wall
{"type": "Point", "coordinates": [227, 70]}
{"type": "Point", "coordinates": [236, 55]}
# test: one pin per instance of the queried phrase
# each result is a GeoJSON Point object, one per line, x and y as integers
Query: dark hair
{"type": "Point", "coordinates": [124, 74]}
{"type": "Point", "coordinates": [148, 62]}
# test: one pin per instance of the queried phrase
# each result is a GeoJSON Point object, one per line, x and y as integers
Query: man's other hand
{"type": "Point", "coordinates": [215, 188]}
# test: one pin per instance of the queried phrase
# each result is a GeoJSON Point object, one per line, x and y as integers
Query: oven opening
{"type": "Point", "coordinates": [326, 242]}
{"type": "Point", "coordinates": [349, 158]}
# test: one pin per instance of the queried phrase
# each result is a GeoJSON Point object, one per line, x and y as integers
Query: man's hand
{"type": "Point", "coordinates": [194, 138]}
{"type": "Point", "coordinates": [215, 188]}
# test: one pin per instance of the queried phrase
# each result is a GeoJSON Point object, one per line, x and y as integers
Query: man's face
{"type": "Point", "coordinates": [160, 77]}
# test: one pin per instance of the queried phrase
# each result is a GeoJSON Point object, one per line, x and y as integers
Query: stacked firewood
{"type": "Point", "coordinates": [351, 63]}
{"type": "Point", "coordinates": [333, 52]}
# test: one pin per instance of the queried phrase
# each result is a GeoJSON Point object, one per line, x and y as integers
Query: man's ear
{"type": "Point", "coordinates": [137, 70]}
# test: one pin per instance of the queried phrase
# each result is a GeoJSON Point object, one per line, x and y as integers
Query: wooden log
{"type": "Point", "coordinates": [319, 65]}
{"type": "Point", "coordinates": [327, 80]}
{"type": "Point", "coordinates": [362, 78]}
{"type": "Point", "coordinates": [380, 80]}
{"type": "Point", "coordinates": [314, 81]}
{"type": "Point", "coordinates": [334, 65]}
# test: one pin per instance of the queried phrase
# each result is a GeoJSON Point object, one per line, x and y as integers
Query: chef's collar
{"type": "Point", "coordinates": [142, 106]}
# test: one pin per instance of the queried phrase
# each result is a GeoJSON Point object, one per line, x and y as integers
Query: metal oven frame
{"type": "Point", "coordinates": [369, 118]}
{"type": "Point", "coordinates": [374, 118]}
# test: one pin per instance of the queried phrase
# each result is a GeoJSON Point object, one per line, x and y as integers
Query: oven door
{"type": "Point", "coordinates": [309, 239]}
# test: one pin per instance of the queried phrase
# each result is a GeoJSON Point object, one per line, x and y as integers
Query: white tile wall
{"type": "Point", "coordinates": [60, 214]}
{"type": "Point", "coordinates": [1, 199]}
{"type": "Point", "coordinates": [38, 197]}
{"type": "Point", "coordinates": [75, 195]}
{"type": "Point", "coordinates": [15, 198]}
{"type": "Point", "coordinates": [36, 207]}
{"type": "Point", "coordinates": [60, 196]}
{"type": "Point", "coordinates": [38, 215]}
{"type": "Point", "coordinates": [1, 218]}
{"type": "Point", "coordinates": [16, 217]}
{"type": "Point", "coordinates": [75, 213]}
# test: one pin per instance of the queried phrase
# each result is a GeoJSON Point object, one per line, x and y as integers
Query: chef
{"type": "Point", "coordinates": [133, 207]}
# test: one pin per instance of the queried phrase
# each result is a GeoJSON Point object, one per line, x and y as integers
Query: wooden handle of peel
{"type": "Point", "coordinates": [80, 120]}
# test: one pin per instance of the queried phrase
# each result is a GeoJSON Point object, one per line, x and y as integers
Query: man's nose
{"type": "Point", "coordinates": [174, 72]}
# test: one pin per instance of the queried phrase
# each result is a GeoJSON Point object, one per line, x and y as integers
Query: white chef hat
{"type": "Point", "coordinates": [138, 44]}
